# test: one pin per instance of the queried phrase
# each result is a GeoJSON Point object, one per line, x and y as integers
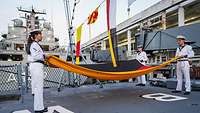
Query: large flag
{"type": "Point", "coordinates": [93, 17]}
{"type": "Point", "coordinates": [78, 42]}
{"type": "Point", "coordinates": [130, 2]}
{"type": "Point", "coordinates": [111, 27]}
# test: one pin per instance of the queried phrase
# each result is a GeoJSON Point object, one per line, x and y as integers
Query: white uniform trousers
{"type": "Point", "coordinates": [32, 81]}
{"type": "Point", "coordinates": [142, 79]}
{"type": "Point", "coordinates": [183, 70]}
{"type": "Point", "coordinates": [37, 74]}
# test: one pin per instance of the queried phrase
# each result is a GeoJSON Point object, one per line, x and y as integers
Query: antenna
{"type": "Point", "coordinates": [32, 21]}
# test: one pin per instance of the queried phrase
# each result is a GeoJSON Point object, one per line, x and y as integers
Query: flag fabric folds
{"type": "Point", "coordinates": [78, 42]}
{"type": "Point", "coordinates": [104, 74]}
{"type": "Point", "coordinates": [93, 17]}
{"type": "Point", "coordinates": [111, 27]}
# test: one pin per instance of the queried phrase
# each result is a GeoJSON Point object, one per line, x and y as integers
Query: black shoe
{"type": "Point", "coordinates": [55, 111]}
{"type": "Point", "coordinates": [140, 84]}
{"type": "Point", "coordinates": [186, 93]}
{"type": "Point", "coordinates": [176, 91]}
{"type": "Point", "coordinates": [42, 111]}
{"type": "Point", "coordinates": [137, 84]}
{"type": "Point", "coordinates": [39, 111]}
{"type": "Point", "coordinates": [45, 110]}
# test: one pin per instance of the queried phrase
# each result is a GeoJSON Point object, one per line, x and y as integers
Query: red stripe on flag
{"type": "Point", "coordinates": [89, 19]}
{"type": "Point", "coordinates": [93, 17]}
{"type": "Point", "coordinates": [78, 49]}
{"type": "Point", "coordinates": [144, 67]}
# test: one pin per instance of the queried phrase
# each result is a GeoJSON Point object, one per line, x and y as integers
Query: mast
{"type": "Point", "coordinates": [70, 29]}
{"type": "Point", "coordinates": [31, 18]}
{"type": "Point", "coordinates": [71, 32]}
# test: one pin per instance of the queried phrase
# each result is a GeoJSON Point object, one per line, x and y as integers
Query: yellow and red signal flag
{"type": "Point", "coordinates": [78, 43]}
{"type": "Point", "coordinates": [93, 17]}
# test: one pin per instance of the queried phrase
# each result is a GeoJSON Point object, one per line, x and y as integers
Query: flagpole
{"type": "Point", "coordinates": [111, 28]}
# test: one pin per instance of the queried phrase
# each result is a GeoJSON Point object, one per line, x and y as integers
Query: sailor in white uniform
{"type": "Point", "coordinates": [141, 57]}
{"type": "Point", "coordinates": [183, 67]}
{"type": "Point", "coordinates": [36, 64]}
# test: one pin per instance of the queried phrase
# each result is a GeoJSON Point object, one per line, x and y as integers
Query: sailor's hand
{"type": "Point", "coordinates": [45, 59]}
{"type": "Point", "coordinates": [46, 56]}
{"type": "Point", "coordinates": [47, 63]}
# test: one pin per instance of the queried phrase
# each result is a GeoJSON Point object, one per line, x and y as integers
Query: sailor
{"type": "Point", "coordinates": [142, 58]}
{"type": "Point", "coordinates": [183, 67]}
{"type": "Point", "coordinates": [36, 64]}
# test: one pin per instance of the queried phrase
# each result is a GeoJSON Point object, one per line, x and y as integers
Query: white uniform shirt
{"type": "Point", "coordinates": [141, 56]}
{"type": "Point", "coordinates": [186, 50]}
{"type": "Point", "coordinates": [36, 53]}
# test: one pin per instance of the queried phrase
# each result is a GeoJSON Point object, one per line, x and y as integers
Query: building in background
{"type": "Point", "coordinates": [165, 16]}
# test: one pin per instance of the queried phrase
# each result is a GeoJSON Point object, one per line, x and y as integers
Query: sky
{"type": "Point", "coordinates": [56, 14]}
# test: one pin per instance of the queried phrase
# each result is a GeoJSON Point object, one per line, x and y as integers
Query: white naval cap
{"type": "Point", "coordinates": [139, 46]}
{"type": "Point", "coordinates": [181, 37]}
{"type": "Point", "coordinates": [35, 30]}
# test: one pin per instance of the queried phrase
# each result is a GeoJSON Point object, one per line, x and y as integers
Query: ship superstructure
{"type": "Point", "coordinates": [13, 43]}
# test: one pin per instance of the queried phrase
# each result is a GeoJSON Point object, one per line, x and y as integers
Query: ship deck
{"type": "Point", "coordinates": [113, 98]}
